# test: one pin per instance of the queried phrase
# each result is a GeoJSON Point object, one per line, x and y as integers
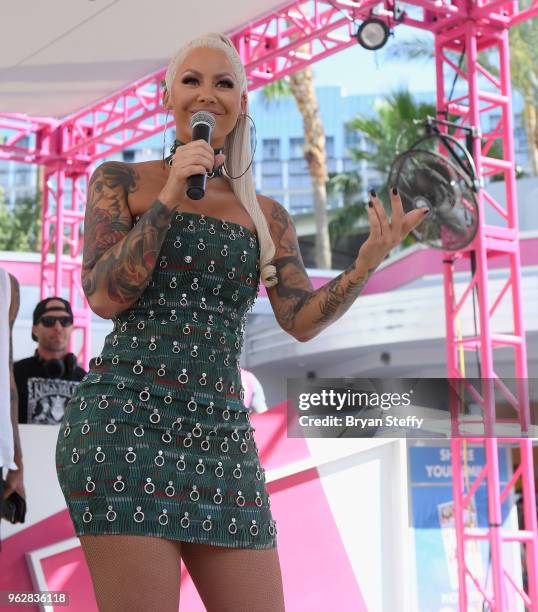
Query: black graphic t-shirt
{"type": "Point", "coordinates": [42, 397]}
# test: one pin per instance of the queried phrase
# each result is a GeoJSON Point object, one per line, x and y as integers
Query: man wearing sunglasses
{"type": "Point", "coordinates": [48, 379]}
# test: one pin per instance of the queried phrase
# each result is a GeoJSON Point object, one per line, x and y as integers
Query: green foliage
{"type": "Point", "coordinates": [352, 215]}
{"type": "Point", "coordinates": [20, 228]}
{"type": "Point", "coordinates": [346, 220]}
{"type": "Point", "coordinates": [349, 184]}
{"type": "Point", "coordinates": [275, 91]}
{"type": "Point", "coordinates": [392, 131]}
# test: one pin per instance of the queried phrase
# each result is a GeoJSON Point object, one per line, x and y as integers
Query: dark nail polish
{"type": "Point", "coordinates": [394, 191]}
{"type": "Point", "coordinates": [370, 204]}
{"type": "Point", "coordinates": [373, 193]}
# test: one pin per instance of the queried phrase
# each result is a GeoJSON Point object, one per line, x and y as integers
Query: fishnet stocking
{"type": "Point", "coordinates": [235, 579]}
{"type": "Point", "coordinates": [132, 573]}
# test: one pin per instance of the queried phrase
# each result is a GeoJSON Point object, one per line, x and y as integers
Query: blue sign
{"type": "Point", "coordinates": [431, 496]}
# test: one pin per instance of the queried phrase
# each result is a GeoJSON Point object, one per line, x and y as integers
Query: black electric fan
{"type": "Point", "coordinates": [446, 185]}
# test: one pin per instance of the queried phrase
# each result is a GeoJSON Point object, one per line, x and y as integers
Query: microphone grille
{"type": "Point", "coordinates": [203, 117]}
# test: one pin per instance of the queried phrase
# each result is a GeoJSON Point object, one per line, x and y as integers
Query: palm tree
{"type": "Point", "coordinates": [524, 75]}
{"type": "Point", "coordinates": [523, 69]}
{"type": "Point", "coordinates": [300, 84]}
{"type": "Point", "coordinates": [392, 131]}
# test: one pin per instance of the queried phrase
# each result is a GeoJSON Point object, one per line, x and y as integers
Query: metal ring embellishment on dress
{"type": "Point", "coordinates": [215, 336]}
{"type": "Point", "coordinates": [119, 484]}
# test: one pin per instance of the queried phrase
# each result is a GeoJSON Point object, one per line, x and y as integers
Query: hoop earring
{"type": "Point", "coordinates": [253, 152]}
{"type": "Point", "coordinates": [164, 134]}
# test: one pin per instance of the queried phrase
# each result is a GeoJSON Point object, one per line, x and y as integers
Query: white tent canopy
{"type": "Point", "coordinates": [58, 56]}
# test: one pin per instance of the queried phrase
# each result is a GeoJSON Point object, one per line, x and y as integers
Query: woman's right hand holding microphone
{"type": "Point", "coordinates": [195, 157]}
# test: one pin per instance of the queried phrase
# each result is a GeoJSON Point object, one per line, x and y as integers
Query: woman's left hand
{"type": "Point", "coordinates": [384, 233]}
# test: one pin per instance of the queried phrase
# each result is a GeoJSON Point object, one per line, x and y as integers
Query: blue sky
{"type": "Point", "coordinates": [360, 71]}
{"type": "Point", "coordinates": [367, 72]}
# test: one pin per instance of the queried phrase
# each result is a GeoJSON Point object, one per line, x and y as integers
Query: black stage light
{"type": "Point", "coordinates": [372, 34]}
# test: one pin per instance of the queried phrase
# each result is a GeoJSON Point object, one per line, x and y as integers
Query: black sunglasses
{"type": "Point", "coordinates": [49, 321]}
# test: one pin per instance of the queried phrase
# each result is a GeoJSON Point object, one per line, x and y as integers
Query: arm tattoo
{"type": "Point", "coordinates": [300, 309]}
{"type": "Point", "coordinates": [335, 298]}
{"type": "Point", "coordinates": [118, 258]}
{"type": "Point", "coordinates": [294, 288]}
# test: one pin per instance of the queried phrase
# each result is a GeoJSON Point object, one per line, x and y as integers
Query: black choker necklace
{"type": "Point", "coordinates": [217, 170]}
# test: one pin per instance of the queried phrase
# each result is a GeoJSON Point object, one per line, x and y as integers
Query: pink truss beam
{"type": "Point", "coordinates": [491, 241]}
{"type": "Point", "coordinates": [62, 242]}
{"type": "Point", "coordinates": [271, 47]}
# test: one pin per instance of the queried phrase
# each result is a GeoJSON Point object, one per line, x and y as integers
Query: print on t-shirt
{"type": "Point", "coordinates": [47, 398]}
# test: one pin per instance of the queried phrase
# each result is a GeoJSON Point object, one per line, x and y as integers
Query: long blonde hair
{"type": "Point", "coordinates": [237, 149]}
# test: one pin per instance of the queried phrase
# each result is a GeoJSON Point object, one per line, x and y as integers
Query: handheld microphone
{"type": "Point", "coordinates": [201, 123]}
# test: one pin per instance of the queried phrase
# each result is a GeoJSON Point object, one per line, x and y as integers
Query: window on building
{"type": "Point", "coordinates": [128, 155]}
{"type": "Point", "coordinates": [301, 202]}
{"type": "Point", "coordinates": [271, 148]}
{"type": "Point", "coordinates": [271, 167]}
{"type": "Point", "coordinates": [298, 174]}
{"type": "Point", "coordinates": [352, 137]}
{"type": "Point", "coordinates": [332, 165]}
{"type": "Point", "coordinates": [296, 148]}
{"type": "Point", "coordinates": [520, 138]}
{"type": "Point", "coordinates": [299, 181]}
{"type": "Point", "coordinates": [271, 182]}
{"type": "Point", "coordinates": [298, 166]}
{"type": "Point", "coordinates": [329, 146]}
{"type": "Point", "coordinates": [22, 178]}
{"type": "Point", "coordinates": [351, 165]}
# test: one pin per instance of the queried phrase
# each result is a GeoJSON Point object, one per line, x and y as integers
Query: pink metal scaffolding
{"type": "Point", "coordinates": [272, 47]}
{"type": "Point", "coordinates": [474, 39]}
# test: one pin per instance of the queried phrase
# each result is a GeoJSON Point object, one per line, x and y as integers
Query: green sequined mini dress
{"type": "Point", "coordinates": [157, 440]}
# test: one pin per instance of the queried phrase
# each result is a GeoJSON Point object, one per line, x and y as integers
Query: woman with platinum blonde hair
{"type": "Point", "coordinates": [156, 456]}
{"type": "Point", "coordinates": [236, 148]}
